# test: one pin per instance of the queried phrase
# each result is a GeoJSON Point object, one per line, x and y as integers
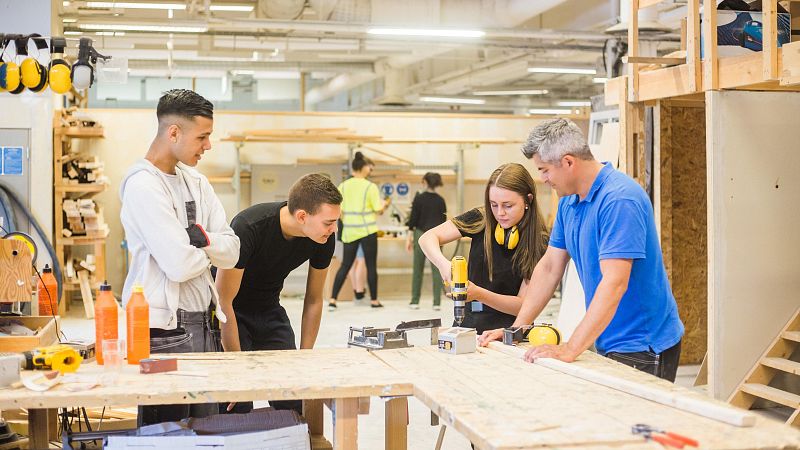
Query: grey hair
{"type": "Point", "coordinates": [555, 138]}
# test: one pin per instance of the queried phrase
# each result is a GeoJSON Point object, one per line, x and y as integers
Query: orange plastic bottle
{"type": "Point", "coordinates": [137, 314]}
{"type": "Point", "coordinates": [106, 319]}
{"type": "Point", "coordinates": [47, 290]}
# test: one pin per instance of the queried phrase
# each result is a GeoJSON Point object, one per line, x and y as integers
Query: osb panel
{"type": "Point", "coordinates": [689, 250]}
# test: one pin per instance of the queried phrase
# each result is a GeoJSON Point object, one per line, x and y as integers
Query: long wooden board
{"type": "Point", "coordinates": [500, 402]}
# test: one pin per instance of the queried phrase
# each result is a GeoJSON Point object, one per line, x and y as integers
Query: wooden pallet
{"type": "Point", "coordinates": [774, 361]}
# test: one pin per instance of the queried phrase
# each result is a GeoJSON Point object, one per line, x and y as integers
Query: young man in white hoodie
{"type": "Point", "coordinates": [176, 230]}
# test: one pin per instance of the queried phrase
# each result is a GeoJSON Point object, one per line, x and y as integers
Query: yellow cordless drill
{"type": "Point", "coordinates": [458, 283]}
{"type": "Point", "coordinates": [60, 357]}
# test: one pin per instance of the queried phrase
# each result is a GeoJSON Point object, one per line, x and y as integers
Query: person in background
{"type": "Point", "coordinates": [508, 239]}
{"type": "Point", "coordinates": [358, 275]}
{"type": "Point", "coordinates": [605, 223]}
{"type": "Point", "coordinates": [428, 209]}
{"type": "Point", "coordinates": [361, 205]}
{"type": "Point", "coordinates": [176, 230]}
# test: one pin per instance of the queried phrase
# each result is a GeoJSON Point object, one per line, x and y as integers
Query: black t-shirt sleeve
{"type": "Point", "coordinates": [247, 239]}
{"type": "Point", "coordinates": [322, 257]}
{"type": "Point", "coordinates": [470, 217]}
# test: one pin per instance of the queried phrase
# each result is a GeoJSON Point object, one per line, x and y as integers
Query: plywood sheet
{"type": "Point", "coordinates": [270, 375]}
{"type": "Point", "coordinates": [501, 402]}
{"type": "Point", "coordinates": [682, 187]}
{"type": "Point", "coordinates": [754, 271]}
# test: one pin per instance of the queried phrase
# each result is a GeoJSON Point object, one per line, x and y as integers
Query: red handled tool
{"type": "Point", "coordinates": [665, 438]}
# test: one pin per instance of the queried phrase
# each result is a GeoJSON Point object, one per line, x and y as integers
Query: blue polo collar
{"type": "Point", "coordinates": [601, 178]}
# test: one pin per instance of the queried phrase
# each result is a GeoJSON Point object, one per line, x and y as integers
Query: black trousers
{"type": "Point", "coordinates": [265, 329]}
{"type": "Point", "coordinates": [663, 365]}
{"type": "Point", "coordinates": [370, 246]}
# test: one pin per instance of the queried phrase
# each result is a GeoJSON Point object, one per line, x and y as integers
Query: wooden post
{"type": "Point", "coordinates": [633, 50]}
{"type": "Point", "coordinates": [710, 64]}
{"type": "Point", "coordinates": [769, 45]}
{"type": "Point", "coordinates": [345, 423]}
{"type": "Point", "coordinates": [312, 411]}
{"type": "Point", "coordinates": [693, 46]}
{"type": "Point", "coordinates": [38, 428]}
{"type": "Point", "coordinates": [396, 424]}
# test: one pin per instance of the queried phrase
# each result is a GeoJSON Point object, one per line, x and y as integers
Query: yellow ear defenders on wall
{"type": "Point", "coordinates": [9, 71]}
{"type": "Point", "coordinates": [34, 74]}
{"type": "Point", "coordinates": [59, 73]}
{"type": "Point", "coordinates": [507, 238]}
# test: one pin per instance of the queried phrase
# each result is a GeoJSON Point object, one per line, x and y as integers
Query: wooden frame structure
{"type": "Point", "coordinates": [694, 132]}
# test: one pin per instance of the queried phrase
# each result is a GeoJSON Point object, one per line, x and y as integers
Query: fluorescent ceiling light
{"type": "Point", "coordinates": [69, 20]}
{"type": "Point", "coordinates": [131, 27]}
{"type": "Point", "coordinates": [575, 103]}
{"type": "Point", "coordinates": [65, 3]}
{"type": "Point", "coordinates": [237, 8]}
{"type": "Point", "coordinates": [276, 75]}
{"type": "Point", "coordinates": [426, 32]}
{"type": "Point", "coordinates": [243, 72]}
{"type": "Point", "coordinates": [72, 33]}
{"type": "Point", "coordinates": [599, 80]}
{"type": "Point", "coordinates": [549, 111]}
{"type": "Point", "coordinates": [136, 5]}
{"type": "Point", "coordinates": [170, 6]}
{"type": "Point", "coordinates": [463, 101]}
{"type": "Point", "coordinates": [573, 70]}
{"type": "Point", "coordinates": [517, 92]}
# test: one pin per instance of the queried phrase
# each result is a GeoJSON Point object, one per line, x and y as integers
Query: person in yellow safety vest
{"type": "Point", "coordinates": [361, 206]}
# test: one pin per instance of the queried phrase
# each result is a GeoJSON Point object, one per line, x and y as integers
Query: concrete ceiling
{"type": "Point", "coordinates": [332, 41]}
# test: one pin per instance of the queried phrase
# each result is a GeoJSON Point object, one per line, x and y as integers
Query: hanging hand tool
{"type": "Point", "coordinates": [665, 438]}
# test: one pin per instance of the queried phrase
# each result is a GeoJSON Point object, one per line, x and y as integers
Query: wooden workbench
{"type": "Point", "coordinates": [500, 402]}
{"type": "Point", "coordinates": [496, 400]}
{"type": "Point", "coordinates": [339, 375]}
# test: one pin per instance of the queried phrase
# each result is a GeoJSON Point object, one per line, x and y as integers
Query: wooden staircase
{"type": "Point", "coordinates": [774, 361]}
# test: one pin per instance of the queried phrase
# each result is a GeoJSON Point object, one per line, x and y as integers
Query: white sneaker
{"type": "Point", "coordinates": [413, 306]}
{"type": "Point", "coordinates": [437, 307]}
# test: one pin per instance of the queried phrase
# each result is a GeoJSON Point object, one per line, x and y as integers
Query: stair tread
{"type": "Point", "coordinates": [791, 335]}
{"type": "Point", "coordinates": [782, 364]}
{"type": "Point", "coordinates": [770, 393]}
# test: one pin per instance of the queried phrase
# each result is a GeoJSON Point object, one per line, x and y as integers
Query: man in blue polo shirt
{"type": "Point", "coordinates": [605, 223]}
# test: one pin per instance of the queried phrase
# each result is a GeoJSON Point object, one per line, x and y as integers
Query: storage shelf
{"type": "Point", "coordinates": [83, 187]}
{"type": "Point", "coordinates": [81, 132]}
{"type": "Point", "coordinates": [83, 240]}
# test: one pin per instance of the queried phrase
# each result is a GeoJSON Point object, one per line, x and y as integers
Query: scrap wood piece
{"type": "Point", "coordinates": [86, 293]}
{"type": "Point", "coordinates": [677, 398]}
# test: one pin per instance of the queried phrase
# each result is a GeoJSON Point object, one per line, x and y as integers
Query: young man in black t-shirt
{"type": "Point", "coordinates": [275, 239]}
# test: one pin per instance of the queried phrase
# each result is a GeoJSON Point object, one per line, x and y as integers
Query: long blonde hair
{"type": "Point", "coordinates": [532, 233]}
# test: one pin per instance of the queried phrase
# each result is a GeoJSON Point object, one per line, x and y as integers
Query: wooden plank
{"type": "Point", "coordinates": [345, 423]}
{"type": "Point", "coordinates": [790, 63]}
{"type": "Point", "coordinates": [772, 394]}
{"type": "Point", "coordinates": [782, 364]}
{"type": "Point", "coordinates": [710, 60]}
{"type": "Point", "coordinates": [675, 398]}
{"type": "Point", "coordinates": [664, 83]}
{"type": "Point", "coordinates": [86, 294]}
{"type": "Point", "coordinates": [396, 423]}
{"type": "Point", "coordinates": [653, 60]}
{"type": "Point", "coordinates": [693, 46]}
{"type": "Point", "coordinates": [39, 426]}
{"type": "Point", "coordinates": [15, 265]}
{"type": "Point", "coordinates": [612, 90]}
{"type": "Point", "coordinates": [791, 336]}
{"type": "Point", "coordinates": [486, 396]}
{"type": "Point", "coordinates": [794, 419]}
{"type": "Point", "coordinates": [769, 51]}
{"type": "Point", "coordinates": [239, 376]}
{"type": "Point", "coordinates": [702, 374]}
{"type": "Point", "coordinates": [633, 50]}
{"type": "Point", "coordinates": [312, 412]}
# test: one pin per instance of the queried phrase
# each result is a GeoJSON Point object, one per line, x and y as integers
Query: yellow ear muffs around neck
{"type": "Point", "coordinates": [507, 238]}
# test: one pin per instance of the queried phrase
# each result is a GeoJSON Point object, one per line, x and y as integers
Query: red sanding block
{"type": "Point", "coordinates": [160, 365]}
